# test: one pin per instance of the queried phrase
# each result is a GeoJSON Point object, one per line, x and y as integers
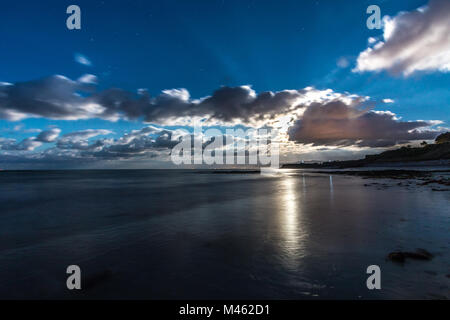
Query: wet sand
{"type": "Point", "coordinates": [184, 235]}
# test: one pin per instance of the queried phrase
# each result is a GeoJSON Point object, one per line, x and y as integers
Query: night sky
{"type": "Point", "coordinates": [117, 92]}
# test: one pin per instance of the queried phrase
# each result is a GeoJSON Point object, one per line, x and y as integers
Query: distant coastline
{"type": "Point", "coordinates": [427, 155]}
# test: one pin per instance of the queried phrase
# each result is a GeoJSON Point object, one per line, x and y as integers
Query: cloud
{"type": "Point", "coordinates": [413, 41]}
{"type": "Point", "coordinates": [320, 117]}
{"type": "Point", "coordinates": [371, 40]}
{"type": "Point", "coordinates": [31, 143]}
{"type": "Point", "coordinates": [242, 104]}
{"type": "Point", "coordinates": [344, 123]}
{"type": "Point", "coordinates": [20, 128]}
{"type": "Point", "coordinates": [7, 144]}
{"type": "Point", "coordinates": [88, 79]}
{"type": "Point", "coordinates": [55, 97]}
{"type": "Point", "coordinates": [342, 62]}
{"type": "Point", "coordinates": [388, 101]}
{"type": "Point", "coordinates": [58, 97]}
{"type": "Point", "coordinates": [147, 142]}
{"type": "Point", "coordinates": [81, 59]}
{"type": "Point", "coordinates": [28, 144]}
{"type": "Point", "coordinates": [79, 140]}
{"type": "Point", "coordinates": [85, 134]}
{"type": "Point", "coordinates": [137, 143]}
{"type": "Point", "coordinates": [48, 135]}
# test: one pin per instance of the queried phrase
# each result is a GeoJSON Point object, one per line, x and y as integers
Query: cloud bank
{"type": "Point", "coordinates": [304, 116]}
{"type": "Point", "coordinates": [60, 98]}
{"type": "Point", "coordinates": [148, 140]}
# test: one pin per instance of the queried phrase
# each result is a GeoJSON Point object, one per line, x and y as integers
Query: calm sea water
{"type": "Point", "coordinates": [167, 234]}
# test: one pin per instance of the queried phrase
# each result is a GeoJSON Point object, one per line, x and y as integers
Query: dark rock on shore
{"type": "Point", "coordinates": [401, 256]}
{"type": "Point", "coordinates": [445, 182]}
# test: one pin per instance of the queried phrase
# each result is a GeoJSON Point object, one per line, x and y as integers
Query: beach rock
{"type": "Point", "coordinates": [401, 256]}
{"type": "Point", "coordinates": [397, 256]}
{"type": "Point", "coordinates": [420, 254]}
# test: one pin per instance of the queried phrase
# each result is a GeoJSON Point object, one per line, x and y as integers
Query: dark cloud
{"type": "Point", "coordinates": [340, 124]}
{"type": "Point", "coordinates": [48, 135]}
{"type": "Point", "coordinates": [54, 97]}
{"type": "Point", "coordinates": [241, 103]}
{"type": "Point", "coordinates": [58, 97]}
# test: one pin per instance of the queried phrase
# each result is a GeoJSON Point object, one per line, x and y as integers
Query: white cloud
{"type": "Point", "coordinates": [88, 79]}
{"type": "Point", "coordinates": [85, 134]}
{"type": "Point", "coordinates": [413, 41]}
{"type": "Point", "coordinates": [18, 127]}
{"type": "Point", "coordinates": [81, 59]}
{"type": "Point", "coordinates": [371, 40]}
{"type": "Point", "coordinates": [342, 62]}
{"type": "Point", "coordinates": [388, 101]}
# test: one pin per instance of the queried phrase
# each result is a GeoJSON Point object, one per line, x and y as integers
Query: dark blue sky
{"type": "Point", "coordinates": [202, 45]}
{"type": "Point", "coordinates": [199, 45]}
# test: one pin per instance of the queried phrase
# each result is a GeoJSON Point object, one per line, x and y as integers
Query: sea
{"type": "Point", "coordinates": [205, 234]}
